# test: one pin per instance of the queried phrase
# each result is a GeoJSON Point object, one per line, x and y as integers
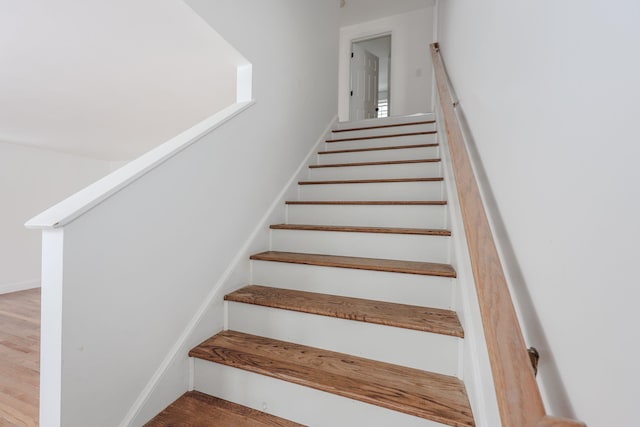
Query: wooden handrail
{"type": "Point", "coordinates": [518, 395]}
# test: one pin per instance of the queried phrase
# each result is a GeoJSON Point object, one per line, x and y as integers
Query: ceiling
{"type": "Point", "coordinates": [357, 11]}
{"type": "Point", "coordinates": [108, 79]}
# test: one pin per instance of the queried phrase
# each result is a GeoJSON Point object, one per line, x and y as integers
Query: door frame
{"type": "Point", "coordinates": [387, 71]}
{"type": "Point", "coordinates": [354, 34]}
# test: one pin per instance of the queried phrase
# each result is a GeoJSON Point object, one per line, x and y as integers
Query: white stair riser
{"type": "Point", "coordinates": [380, 155]}
{"type": "Point", "coordinates": [386, 121]}
{"type": "Point", "coordinates": [413, 289]}
{"type": "Point", "coordinates": [384, 131]}
{"type": "Point", "coordinates": [409, 216]}
{"type": "Point", "coordinates": [407, 247]}
{"type": "Point", "coordinates": [425, 190]}
{"type": "Point", "coordinates": [381, 142]}
{"type": "Point", "coordinates": [402, 170]}
{"type": "Point", "coordinates": [295, 402]}
{"type": "Point", "coordinates": [415, 349]}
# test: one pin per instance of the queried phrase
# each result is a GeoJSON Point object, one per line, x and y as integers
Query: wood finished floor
{"type": "Point", "coordinates": [19, 358]}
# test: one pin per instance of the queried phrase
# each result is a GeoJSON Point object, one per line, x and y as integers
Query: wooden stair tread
{"type": "Point", "coordinates": [356, 229]}
{"type": "Point", "coordinates": [361, 138]}
{"type": "Point", "coordinates": [358, 263]}
{"type": "Point", "coordinates": [427, 122]}
{"type": "Point", "coordinates": [370, 181]}
{"type": "Point", "coordinates": [406, 316]}
{"type": "Point", "coordinates": [393, 147]}
{"type": "Point", "coordinates": [382, 163]}
{"type": "Point", "coordinates": [369, 202]}
{"type": "Point", "coordinates": [423, 394]}
{"type": "Point", "coordinates": [195, 409]}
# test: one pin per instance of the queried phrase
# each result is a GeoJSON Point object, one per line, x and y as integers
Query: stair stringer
{"type": "Point", "coordinates": [474, 367]}
{"type": "Point", "coordinates": [211, 316]}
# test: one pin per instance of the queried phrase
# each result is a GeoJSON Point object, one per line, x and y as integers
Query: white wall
{"type": "Point", "coordinates": [138, 267]}
{"type": "Point", "coordinates": [92, 78]}
{"type": "Point", "coordinates": [31, 180]}
{"type": "Point", "coordinates": [356, 11]}
{"type": "Point", "coordinates": [411, 71]}
{"type": "Point", "coordinates": [550, 91]}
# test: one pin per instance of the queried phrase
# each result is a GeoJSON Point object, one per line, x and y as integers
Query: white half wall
{"type": "Point", "coordinates": [550, 93]}
{"type": "Point", "coordinates": [138, 267]}
{"type": "Point", "coordinates": [32, 179]}
{"type": "Point", "coordinates": [411, 70]}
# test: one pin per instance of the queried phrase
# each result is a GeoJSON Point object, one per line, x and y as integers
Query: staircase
{"type": "Point", "coordinates": [348, 319]}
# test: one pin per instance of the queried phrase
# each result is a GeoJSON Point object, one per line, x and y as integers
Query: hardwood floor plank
{"type": "Point", "coordinates": [361, 138]}
{"type": "Point", "coordinates": [423, 394]}
{"type": "Point", "coordinates": [195, 409]}
{"type": "Point", "coordinates": [355, 229]}
{"type": "Point", "coordinates": [375, 264]}
{"type": "Point", "coordinates": [392, 147]}
{"type": "Point", "coordinates": [427, 122]}
{"type": "Point", "coordinates": [370, 181]}
{"type": "Point", "coordinates": [20, 358]}
{"type": "Point", "coordinates": [14, 413]}
{"type": "Point", "coordinates": [423, 319]}
{"type": "Point", "coordinates": [382, 163]}
{"type": "Point", "coordinates": [368, 202]}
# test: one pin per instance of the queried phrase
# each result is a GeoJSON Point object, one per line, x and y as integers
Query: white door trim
{"type": "Point", "coordinates": [354, 34]}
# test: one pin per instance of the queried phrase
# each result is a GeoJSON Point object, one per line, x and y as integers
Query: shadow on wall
{"type": "Point", "coordinates": [556, 395]}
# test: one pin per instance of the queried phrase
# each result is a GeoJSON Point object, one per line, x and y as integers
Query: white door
{"type": "Point", "coordinates": [364, 84]}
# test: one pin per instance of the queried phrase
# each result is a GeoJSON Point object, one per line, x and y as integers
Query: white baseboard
{"type": "Point", "coordinates": [7, 288]}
